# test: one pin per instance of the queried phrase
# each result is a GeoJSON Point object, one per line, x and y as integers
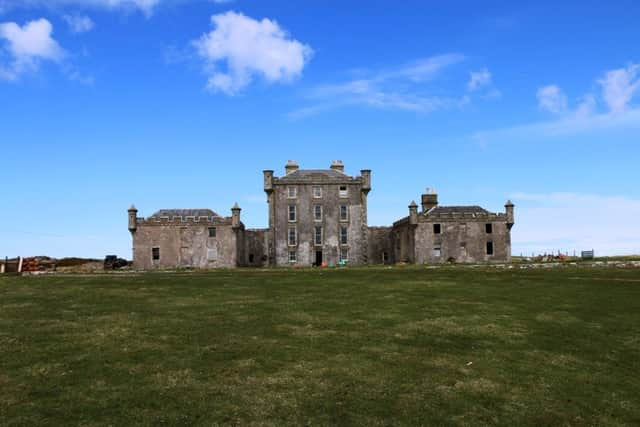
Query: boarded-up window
{"type": "Point", "coordinates": [343, 191]}
{"type": "Point", "coordinates": [212, 254]}
{"type": "Point", "coordinates": [437, 251]}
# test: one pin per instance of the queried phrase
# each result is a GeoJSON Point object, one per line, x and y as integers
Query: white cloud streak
{"type": "Point", "coordinates": [240, 48]}
{"type": "Point", "coordinates": [145, 6]}
{"type": "Point", "coordinates": [397, 89]}
{"type": "Point", "coordinates": [27, 46]}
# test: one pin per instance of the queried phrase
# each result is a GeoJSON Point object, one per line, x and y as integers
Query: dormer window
{"type": "Point", "coordinates": [343, 192]}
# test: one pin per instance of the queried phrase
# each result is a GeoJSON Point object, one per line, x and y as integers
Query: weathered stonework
{"type": "Point", "coordinates": [320, 217]}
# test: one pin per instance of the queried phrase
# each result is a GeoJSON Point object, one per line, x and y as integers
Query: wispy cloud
{"type": "Point", "coordinates": [551, 98]}
{"type": "Point", "coordinates": [145, 6]}
{"type": "Point", "coordinates": [619, 87]}
{"type": "Point", "coordinates": [574, 221]}
{"type": "Point", "coordinates": [79, 23]}
{"type": "Point", "coordinates": [478, 79]}
{"type": "Point", "coordinates": [402, 88]}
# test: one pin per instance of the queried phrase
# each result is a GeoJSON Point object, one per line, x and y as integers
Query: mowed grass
{"type": "Point", "coordinates": [402, 346]}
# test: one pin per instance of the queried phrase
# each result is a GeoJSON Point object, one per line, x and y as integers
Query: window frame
{"type": "Point", "coordinates": [317, 194]}
{"type": "Point", "coordinates": [292, 192]}
{"type": "Point", "coordinates": [294, 241]}
{"type": "Point", "coordinates": [215, 232]}
{"type": "Point", "coordinates": [293, 256]}
{"type": "Point", "coordinates": [437, 250]}
{"type": "Point", "coordinates": [293, 209]}
{"type": "Point", "coordinates": [155, 253]}
{"type": "Point", "coordinates": [343, 193]}
{"type": "Point", "coordinates": [316, 241]}
{"type": "Point", "coordinates": [489, 249]}
{"type": "Point", "coordinates": [315, 213]}
{"type": "Point", "coordinates": [346, 212]}
{"type": "Point", "coordinates": [344, 235]}
{"type": "Point", "coordinates": [344, 254]}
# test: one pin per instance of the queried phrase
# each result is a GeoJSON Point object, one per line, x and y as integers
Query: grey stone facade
{"type": "Point", "coordinates": [319, 217]}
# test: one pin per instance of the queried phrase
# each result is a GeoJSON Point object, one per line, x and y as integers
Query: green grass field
{"type": "Point", "coordinates": [414, 346]}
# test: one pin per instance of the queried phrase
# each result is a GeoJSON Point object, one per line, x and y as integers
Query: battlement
{"type": "Point", "coordinates": [180, 220]}
{"type": "Point", "coordinates": [456, 216]}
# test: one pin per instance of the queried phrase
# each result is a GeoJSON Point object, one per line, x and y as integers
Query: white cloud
{"type": "Point", "coordinates": [574, 221]}
{"type": "Point", "coordinates": [27, 46]}
{"type": "Point", "coordinates": [79, 23]}
{"type": "Point", "coordinates": [551, 98]}
{"type": "Point", "coordinates": [619, 86]}
{"type": "Point", "coordinates": [401, 89]}
{"type": "Point", "coordinates": [248, 47]}
{"type": "Point", "coordinates": [479, 79]}
{"type": "Point", "coordinates": [146, 6]}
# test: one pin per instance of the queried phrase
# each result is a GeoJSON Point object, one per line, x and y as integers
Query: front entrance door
{"type": "Point", "coordinates": [318, 258]}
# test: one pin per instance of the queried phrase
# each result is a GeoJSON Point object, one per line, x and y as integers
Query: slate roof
{"type": "Point", "coordinates": [184, 213]}
{"type": "Point", "coordinates": [445, 210]}
{"type": "Point", "coordinates": [311, 174]}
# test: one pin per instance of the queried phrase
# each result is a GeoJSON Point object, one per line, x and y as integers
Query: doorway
{"type": "Point", "coordinates": [318, 258]}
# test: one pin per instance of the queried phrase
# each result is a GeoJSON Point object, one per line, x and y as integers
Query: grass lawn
{"type": "Point", "coordinates": [412, 346]}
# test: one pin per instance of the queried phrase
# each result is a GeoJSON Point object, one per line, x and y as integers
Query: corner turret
{"type": "Point", "coordinates": [235, 216]}
{"type": "Point", "coordinates": [413, 213]}
{"type": "Point", "coordinates": [133, 212]}
{"type": "Point", "coordinates": [366, 180]}
{"type": "Point", "coordinates": [509, 211]}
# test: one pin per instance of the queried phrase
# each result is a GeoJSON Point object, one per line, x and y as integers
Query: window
{"type": "Point", "coordinates": [437, 229]}
{"type": "Point", "coordinates": [292, 237]}
{"type": "Point", "coordinates": [488, 228]}
{"type": "Point", "coordinates": [344, 235]}
{"type": "Point", "coordinates": [437, 251]}
{"type": "Point", "coordinates": [212, 232]}
{"type": "Point", "coordinates": [385, 257]}
{"type": "Point", "coordinates": [292, 213]}
{"type": "Point", "coordinates": [344, 213]}
{"type": "Point", "coordinates": [212, 254]}
{"type": "Point", "coordinates": [155, 253]}
{"type": "Point", "coordinates": [463, 228]}
{"type": "Point", "coordinates": [343, 191]}
{"type": "Point", "coordinates": [317, 192]}
{"type": "Point", "coordinates": [292, 192]}
{"type": "Point", "coordinates": [489, 248]}
{"type": "Point", "coordinates": [344, 254]}
{"type": "Point", "coordinates": [317, 212]}
{"type": "Point", "coordinates": [293, 256]}
{"type": "Point", "coordinates": [251, 258]}
{"type": "Point", "coordinates": [463, 249]}
{"type": "Point", "coordinates": [317, 239]}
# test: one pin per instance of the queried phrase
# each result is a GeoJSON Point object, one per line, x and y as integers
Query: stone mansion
{"type": "Point", "coordinates": [319, 217]}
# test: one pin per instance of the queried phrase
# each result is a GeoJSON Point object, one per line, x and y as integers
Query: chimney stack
{"type": "Point", "coordinates": [291, 167]}
{"type": "Point", "coordinates": [429, 199]}
{"type": "Point", "coordinates": [337, 165]}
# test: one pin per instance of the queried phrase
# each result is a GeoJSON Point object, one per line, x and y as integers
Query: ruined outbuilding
{"type": "Point", "coordinates": [319, 217]}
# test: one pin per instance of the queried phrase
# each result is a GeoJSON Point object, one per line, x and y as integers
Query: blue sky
{"type": "Point", "coordinates": [182, 104]}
